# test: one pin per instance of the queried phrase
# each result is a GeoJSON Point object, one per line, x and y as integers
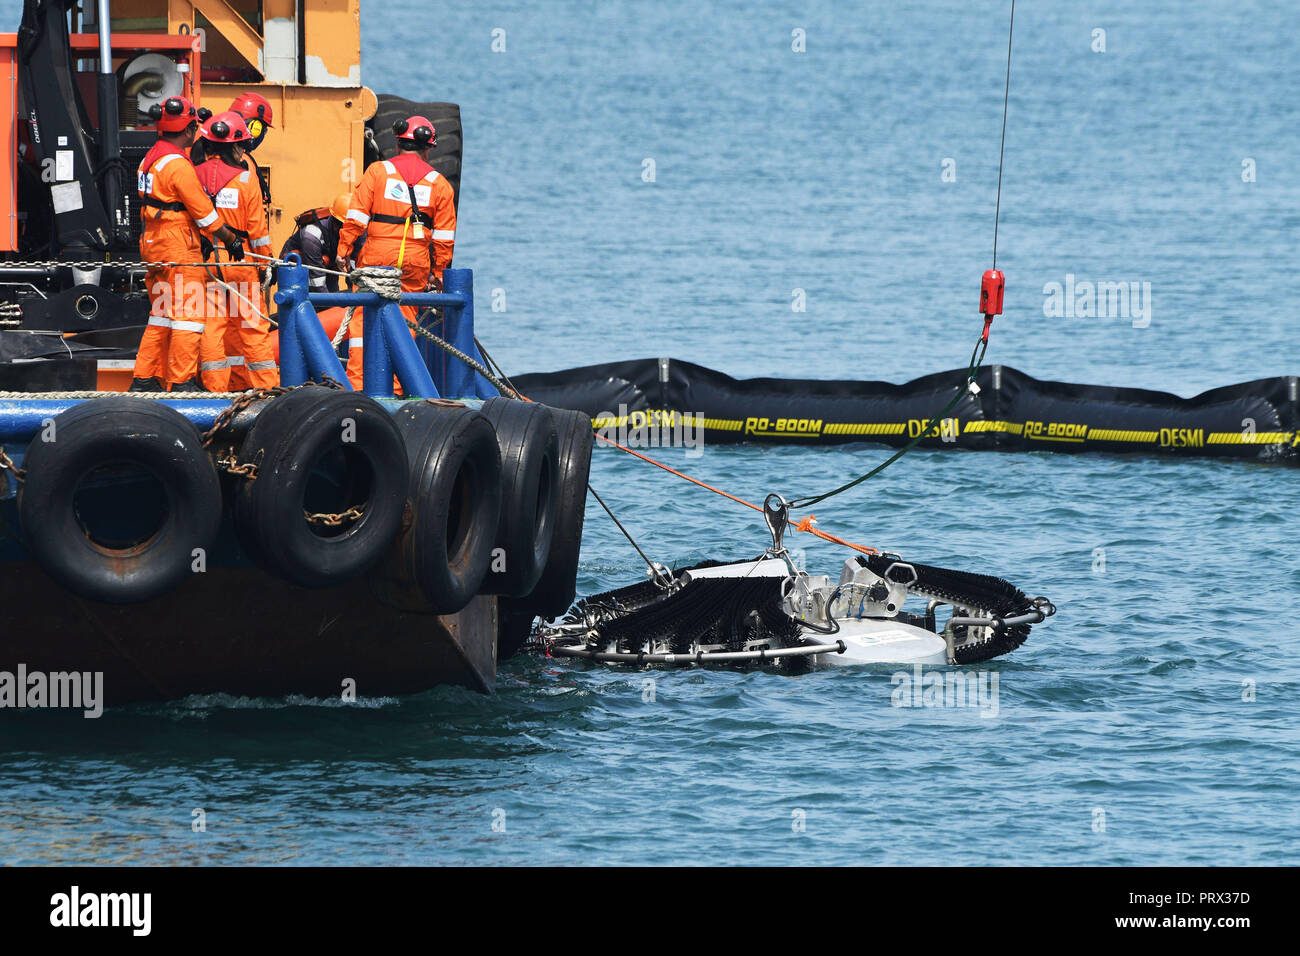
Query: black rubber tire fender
{"type": "Point", "coordinates": [529, 494]}
{"type": "Point", "coordinates": [558, 585]}
{"type": "Point", "coordinates": [102, 433]}
{"type": "Point", "coordinates": [455, 503]}
{"type": "Point", "coordinates": [312, 439]}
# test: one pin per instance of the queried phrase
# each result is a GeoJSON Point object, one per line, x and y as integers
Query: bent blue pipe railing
{"type": "Point", "coordinates": [423, 369]}
{"type": "Point", "coordinates": [306, 354]}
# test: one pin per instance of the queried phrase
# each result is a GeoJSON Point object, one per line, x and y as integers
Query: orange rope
{"type": "Point", "coordinates": [805, 525]}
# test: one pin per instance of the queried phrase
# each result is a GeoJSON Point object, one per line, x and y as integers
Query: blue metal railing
{"type": "Point", "coordinates": [423, 369]}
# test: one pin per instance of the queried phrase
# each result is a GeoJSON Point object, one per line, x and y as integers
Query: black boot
{"type": "Point", "coordinates": [145, 385]}
{"type": "Point", "coordinates": [192, 385]}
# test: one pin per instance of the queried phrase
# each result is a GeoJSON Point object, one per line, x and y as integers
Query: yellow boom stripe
{"type": "Point", "coordinates": [1238, 438]}
{"type": "Point", "coordinates": [871, 428]}
{"type": "Point", "coordinates": [1014, 428]}
{"type": "Point", "coordinates": [1122, 434]}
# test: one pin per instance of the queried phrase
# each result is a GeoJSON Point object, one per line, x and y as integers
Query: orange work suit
{"type": "Point", "coordinates": [232, 327]}
{"type": "Point", "coordinates": [175, 211]}
{"type": "Point", "coordinates": [417, 240]}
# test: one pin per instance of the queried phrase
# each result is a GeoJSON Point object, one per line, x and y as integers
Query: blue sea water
{"type": "Point", "coordinates": [1153, 721]}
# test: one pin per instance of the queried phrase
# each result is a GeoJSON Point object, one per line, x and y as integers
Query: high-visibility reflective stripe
{"type": "Point", "coordinates": [432, 177]}
{"type": "Point", "coordinates": [207, 220]}
{"type": "Point", "coordinates": [161, 321]}
{"type": "Point", "coordinates": [447, 235]}
{"type": "Point", "coordinates": [213, 366]}
{"type": "Point", "coordinates": [177, 325]}
{"type": "Point", "coordinates": [358, 216]}
{"type": "Point", "coordinates": [355, 343]}
{"type": "Point", "coordinates": [258, 243]}
{"type": "Point", "coordinates": [261, 366]}
{"type": "Point", "coordinates": [165, 159]}
{"type": "Point", "coordinates": [390, 167]}
{"type": "Point", "coordinates": [235, 359]}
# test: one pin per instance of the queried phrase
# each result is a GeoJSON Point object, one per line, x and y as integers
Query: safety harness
{"type": "Point", "coordinates": [416, 215]}
{"type": "Point", "coordinates": [157, 151]}
{"type": "Point", "coordinates": [159, 204]}
{"type": "Point", "coordinates": [215, 175]}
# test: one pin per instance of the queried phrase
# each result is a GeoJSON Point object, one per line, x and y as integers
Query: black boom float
{"type": "Point", "coordinates": [1011, 411]}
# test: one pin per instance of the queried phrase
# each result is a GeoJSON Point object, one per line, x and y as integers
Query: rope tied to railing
{"type": "Point", "coordinates": [384, 281]}
{"type": "Point", "coordinates": [342, 332]}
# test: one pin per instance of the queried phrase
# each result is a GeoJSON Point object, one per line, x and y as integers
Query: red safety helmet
{"type": "Point", "coordinates": [256, 111]}
{"type": "Point", "coordinates": [174, 114]}
{"type": "Point", "coordinates": [228, 127]}
{"type": "Point", "coordinates": [416, 129]}
{"type": "Point", "coordinates": [253, 106]}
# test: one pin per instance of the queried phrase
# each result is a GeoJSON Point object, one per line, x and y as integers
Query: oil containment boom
{"type": "Point", "coordinates": [647, 399]}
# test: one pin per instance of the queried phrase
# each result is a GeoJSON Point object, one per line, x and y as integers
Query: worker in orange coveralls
{"type": "Point", "coordinates": [175, 212]}
{"type": "Point", "coordinates": [408, 213]}
{"type": "Point", "coordinates": [255, 110]}
{"type": "Point", "coordinates": [234, 323]}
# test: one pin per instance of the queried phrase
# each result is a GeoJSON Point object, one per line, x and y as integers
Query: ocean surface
{"type": "Point", "coordinates": [1152, 721]}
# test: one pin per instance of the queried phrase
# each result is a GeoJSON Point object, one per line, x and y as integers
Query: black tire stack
{"type": "Point", "coordinates": [442, 502]}
{"type": "Point", "coordinates": [556, 588]}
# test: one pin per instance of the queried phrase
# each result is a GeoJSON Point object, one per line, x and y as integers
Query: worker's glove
{"type": "Point", "coordinates": [236, 250]}
{"type": "Point", "coordinates": [206, 247]}
{"type": "Point", "coordinates": [435, 284]}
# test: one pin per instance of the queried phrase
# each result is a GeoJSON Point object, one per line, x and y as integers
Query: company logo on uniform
{"type": "Point", "coordinates": [227, 199]}
{"type": "Point", "coordinates": [396, 190]}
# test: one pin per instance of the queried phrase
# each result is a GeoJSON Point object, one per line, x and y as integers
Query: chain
{"type": "Point", "coordinates": [7, 464]}
{"type": "Point", "coordinates": [233, 465]}
{"type": "Point", "coordinates": [248, 470]}
{"type": "Point", "coordinates": [335, 520]}
{"type": "Point", "coordinates": [87, 266]}
{"type": "Point", "coordinates": [230, 461]}
{"type": "Point", "coordinates": [244, 400]}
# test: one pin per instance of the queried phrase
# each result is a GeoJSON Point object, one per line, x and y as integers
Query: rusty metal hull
{"type": "Point", "coordinates": [237, 630]}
